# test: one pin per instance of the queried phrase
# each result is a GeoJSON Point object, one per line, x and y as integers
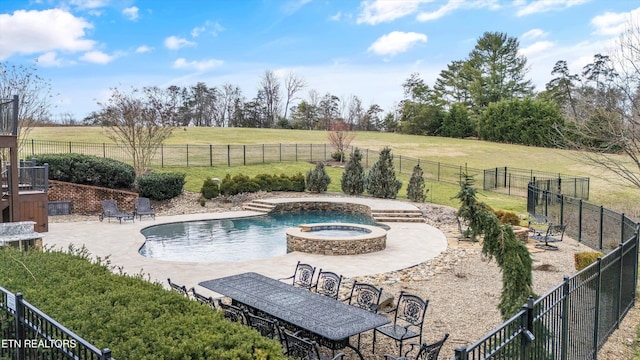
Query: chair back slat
{"type": "Point", "coordinates": [328, 284]}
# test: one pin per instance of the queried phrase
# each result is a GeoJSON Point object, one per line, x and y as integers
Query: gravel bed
{"type": "Point", "coordinates": [462, 286]}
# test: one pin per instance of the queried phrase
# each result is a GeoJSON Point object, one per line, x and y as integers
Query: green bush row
{"type": "Point", "coordinates": [88, 170]}
{"type": "Point", "coordinates": [135, 318]}
{"type": "Point", "coordinates": [161, 186]}
{"type": "Point", "coordinates": [262, 182]}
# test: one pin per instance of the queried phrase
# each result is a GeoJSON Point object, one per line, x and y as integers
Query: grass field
{"type": "Point", "coordinates": [473, 153]}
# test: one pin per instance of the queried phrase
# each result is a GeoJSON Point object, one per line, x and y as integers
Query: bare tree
{"type": "Point", "coordinates": [34, 96]}
{"type": "Point", "coordinates": [610, 136]}
{"type": "Point", "coordinates": [270, 87]}
{"type": "Point", "coordinates": [293, 84]}
{"type": "Point", "coordinates": [139, 121]}
{"type": "Point", "coordinates": [340, 136]}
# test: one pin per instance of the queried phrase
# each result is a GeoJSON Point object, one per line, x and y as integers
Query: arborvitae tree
{"type": "Point", "coordinates": [381, 180]}
{"type": "Point", "coordinates": [415, 190]}
{"type": "Point", "coordinates": [499, 243]}
{"type": "Point", "coordinates": [317, 179]}
{"type": "Point", "coordinates": [353, 175]}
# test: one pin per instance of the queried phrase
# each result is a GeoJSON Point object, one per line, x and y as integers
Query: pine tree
{"type": "Point", "coordinates": [415, 189]}
{"type": "Point", "coordinates": [381, 181]}
{"type": "Point", "coordinates": [353, 176]}
{"type": "Point", "coordinates": [317, 179]}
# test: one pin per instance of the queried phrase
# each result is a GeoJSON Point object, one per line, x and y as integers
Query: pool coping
{"type": "Point", "coordinates": [408, 244]}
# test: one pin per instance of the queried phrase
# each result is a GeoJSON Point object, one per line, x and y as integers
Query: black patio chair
{"type": "Point", "coordinates": [203, 299]}
{"type": "Point", "coordinates": [232, 312]}
{"type": "Point", "coordinates": [110, 210]}
{"type": "Point", "coordinates": [365, 296]}
{"type": "Point", "coordinates": [407, 320]}
{"type": "Point", "coordinates": [266, 327]}
{"type": "Point", "coordinates": [554, 233]}
{"type": "Point", "coordinates": [328, 284]}
{"type": "Point", "coordinates": [142, 206]}
{"type": "Point", "coordinates": [302, 276]}
{"type": "Point", "coordinates": [300, 348]}
{"type": "Point", "coordinates": [179, 288]}
{"type": "Point", "coordinates": [536, 221]}
{"type": "Point", "coordinates": [426, 352]}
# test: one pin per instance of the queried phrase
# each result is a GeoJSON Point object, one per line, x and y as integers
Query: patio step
{"type": "Point", "coordinates": [397, 215]}
{"type": "Point", "coordinates": [257, 205]}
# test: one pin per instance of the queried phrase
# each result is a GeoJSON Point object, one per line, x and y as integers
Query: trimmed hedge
{"type": "Point", "coordinates": [88, 170]}
{"type": "Point", "coordinates": [161, 186]}
{"type": "Point", "coordinates": [136, 319]}
{"type": "Point", "coordinates": [583, 259]}
{"type": "Point", "coordinates": [240, 183]}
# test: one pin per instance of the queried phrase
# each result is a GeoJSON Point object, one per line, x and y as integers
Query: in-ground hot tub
{"type": "Point", "coordinates": [336, 239]}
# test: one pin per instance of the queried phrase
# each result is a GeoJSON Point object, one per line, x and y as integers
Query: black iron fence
{"type": "Point", "coordinates": [28, 333]}
{"type": "Point", "coordinates": [512, 181]}
{"type": "Point", "coordinates": [573, 320]}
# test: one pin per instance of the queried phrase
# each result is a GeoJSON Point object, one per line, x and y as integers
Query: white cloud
{"type": "Point", "coordinates": [336, 17]}
{"type": "Point", "coordinates": [379, 11]}
{"type": "Point", "coordinates": [143, 49]}
{"type": "Point", "coordinates": [131, 13]}
{"type": "Point", "coordinates": [210, 27]}
{"type": "Point", "coordinates": [396, 42]}
{"type": "Point", "coordinates": [202, 65]}
{"type": "Point", "coordinates": [453, 5]}
{"type": "Point", "coordinates": [175, 43]}
{"type": "Point", "coordinates": [536, 48]}
{"type": "Point", "coordinates": [30, 32]}
{"type": "Point", "coordinates": [97, 57]}
{"type": "Point", "coordinates": [541, 6]}
{"type": "Point", "coordinates": [534, 34]}
{"type": "Point", "coordinates": [612, 24]}
{"type": "Point", "coordinates": [89, 4]}
{"type": "Point", "coordinates": [49, 59]}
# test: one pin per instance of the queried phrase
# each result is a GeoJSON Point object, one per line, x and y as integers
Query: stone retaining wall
{"type": "Point", "coordinates": [320, 205]}
{"type": "Point", "coordinates": [303, 240]}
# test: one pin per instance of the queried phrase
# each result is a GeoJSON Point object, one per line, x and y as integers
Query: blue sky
{"type": "Point", "coordinates": [345, 47]}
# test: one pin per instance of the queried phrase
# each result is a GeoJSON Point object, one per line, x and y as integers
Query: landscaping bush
{"type": "Point", "coordinates": [415, 190]}
{"type": "Point", "coordinates": [317, 179]}
{"type": "Point", "coordinates": [161, 186]}
{"type": "Point", "coordinates": [237, 185]}
{"type": "Point", "coordinates": [136, 319]}
{"type": "Point", "coordinates": [298, 182]}
{"type": "Point", "coordinates": [507, 217]}
{"type": "Point", "coordinates": [210, 189]}
{"type": "Point", "coordinates": [88, 170]}
{"type": "Point", "coordinates": [381, 181]}
{"type": "Point", "coordinates": [353, 176]}
{"type": "Point", "coordinates": [337, 156]}
{"type": "Point", "coordinates": [583, 259]}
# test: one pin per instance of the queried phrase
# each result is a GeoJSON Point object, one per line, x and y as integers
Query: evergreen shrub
{"type": "Point", "coordinates": [135, 318]}
{"type": "Point", "coordinates": [161, 186]}
{"type": "Point", "coordinates": [210, 189]}
{"type": "Point", "coordinates": [317, 179]}
{"type": "Point", "coordinates": [507, 217]}
{"type": "Point", "coordinates": [88, 170]}
{"type": "Point", "coordinates": [415, 190]}
{"type": "Point", "coordinates": [353, 177]}
{"type": "Point", "coordinates": [381, 181]}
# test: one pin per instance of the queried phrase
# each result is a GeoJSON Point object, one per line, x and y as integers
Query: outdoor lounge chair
{"type": "Point", "coordinates": [554, 233]}
{"type": "Point", "coordinates": [407, 321]}
{"type": "Point", "coordinates": [110, 210]}
{"type": "Point", "coordinates": [426, 352]}
{"type": "Point", "coordinates": [142, 207]}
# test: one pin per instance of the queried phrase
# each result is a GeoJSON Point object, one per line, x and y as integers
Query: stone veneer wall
{"type": "Point", "coordinates": [323, 205]}
{"type": "Point", "coordinates": [326, 246]}
{"type": "Point", "coordinates": [85, 199]}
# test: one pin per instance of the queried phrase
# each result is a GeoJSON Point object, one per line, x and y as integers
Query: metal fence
{"type": "Point", "coordinates": [28, 333]}
{"type": "Point", "coordinates": [573, 320]}
{"type": "Point", "coordinates": [9, 116]}
{"type": "Point", "coordinates": [511, 181]}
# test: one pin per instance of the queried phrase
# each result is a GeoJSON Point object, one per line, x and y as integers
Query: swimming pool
{"type": "Point", "coordinates": [237, 239]}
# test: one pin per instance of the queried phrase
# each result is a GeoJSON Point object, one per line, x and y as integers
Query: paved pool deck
{"type": "Point", "coordinates": [408, 244]}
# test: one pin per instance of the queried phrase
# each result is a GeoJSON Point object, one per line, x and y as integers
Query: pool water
{"type": "Point", "coordinates": [238, 239]}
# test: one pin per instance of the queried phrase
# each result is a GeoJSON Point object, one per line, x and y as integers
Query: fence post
{"type": "Point", "coordinates": [580, 220]}
{"type": "Point", "coordinates": [228, 155]}
{"type": "Point", "coordinates": [161, 155]}
{"type": "Point", "coordinates": [527, 323]}
{"type": "Point", "coordinates": [263, 153]}
{"type": "Point", "coordinates": [32, 147]}
{"type": "Point", "coordinates": [311, 153]}
{"type": "Point", "coordinates": [281, 152]}
{"type": "Point", "coordinates": [296, 152]}
{"type": "Point", "coordinates": [69, 147]}
{"type": "Point", "coordinates": [561, 209]}
{"type": "Point", "coordinates": [187, 155]}
{"type": "Point", "coordinates": [597, 306]}
{"type": "Point", "coordinates": [620, 285]}
{"type": "Point", "coordinates": [400, 161]}
{"type": "Point", "coordinates": [564, 328]}
{"type": "Point", "coordinates": [600, 226]}
{"type": "Point", "coordinates": [325, 151]}
{"type": "Point", "coordinates": [104, 150]}
{"type": "Point", "coordinates": [244, 154]}
{"type": "Point", "coordinates": [19, 325]}
{"type": "Point", "coordinates": [461, 353]}
{"type": "Point", "coordinates": [438, 171]}
{"type": "Point", "coordinates": [106, 354]}
{"type": "Point", "coordinates": [210, 154]}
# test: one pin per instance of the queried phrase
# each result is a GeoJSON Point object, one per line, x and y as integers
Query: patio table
{"type": "Point", "coordinates": [328, 321]}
